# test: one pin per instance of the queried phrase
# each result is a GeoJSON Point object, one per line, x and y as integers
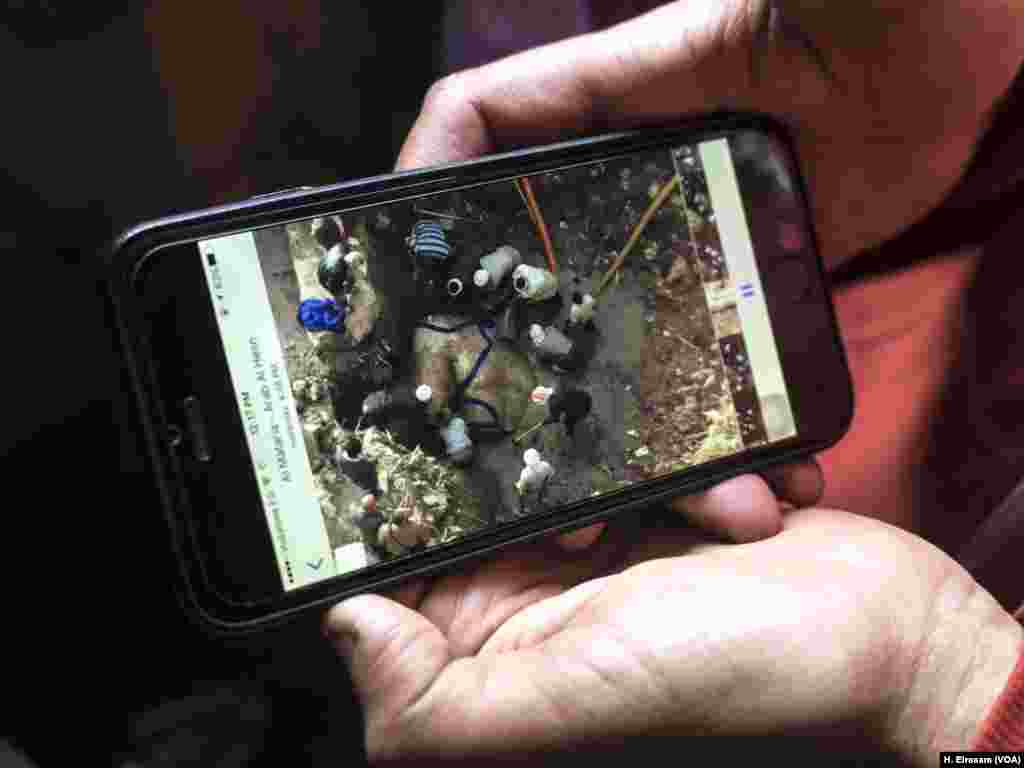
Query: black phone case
{"type": "Point", "coordinates": [129, 251]}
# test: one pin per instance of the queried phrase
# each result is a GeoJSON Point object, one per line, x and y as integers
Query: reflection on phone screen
{"type": "Point", "coordinates": [412, 372]}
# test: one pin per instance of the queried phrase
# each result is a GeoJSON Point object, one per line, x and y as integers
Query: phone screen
{"type": "Point", "coordinates": [413, 372]}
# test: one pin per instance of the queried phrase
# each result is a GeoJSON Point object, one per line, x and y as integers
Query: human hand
{"type": "Point", "coordinates": [874, 93]}
{"type": "Point", "coordinates": [882, 138]}
{"type": "Point", "coordinates": [838, 620]}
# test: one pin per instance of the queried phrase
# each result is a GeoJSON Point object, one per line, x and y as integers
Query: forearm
{"type": "Point", "coordinates": [960, 669]}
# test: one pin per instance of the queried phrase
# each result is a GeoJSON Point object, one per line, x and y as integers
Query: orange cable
{"type": "Point", "coordinates": [539, 222]}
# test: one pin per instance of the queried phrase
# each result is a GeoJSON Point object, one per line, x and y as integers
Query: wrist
{"type": "Point", "coordinates": [959, 669]}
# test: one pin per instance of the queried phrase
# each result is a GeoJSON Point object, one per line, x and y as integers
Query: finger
{"type": "Point", "coordinates": [584, 538]}
{"type": "Point", "coordinates": [742, 509]}
{"type": "Point", "coordinates": [393, 652]}
{"type": "Point", "coordinates": [492, 708]}
{"type": "Point", "coordinates": [417, 704]}
{"type": "Point", "coordinates": [595, 81]}
{"type": "Point", "coordinates": [410, 593]}
{"type": "Point", "coordinates": [801, 484]}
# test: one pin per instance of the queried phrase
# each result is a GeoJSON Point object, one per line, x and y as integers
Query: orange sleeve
{"type": "Point", "coordinates": [1003, 729]}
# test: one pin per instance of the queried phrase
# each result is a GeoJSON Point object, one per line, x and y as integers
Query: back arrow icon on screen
{"type": "Point", "coordinates": [316, 566]}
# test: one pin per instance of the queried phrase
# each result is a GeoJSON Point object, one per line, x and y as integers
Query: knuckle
{"type": "Point", "coordinates": [449, 90]}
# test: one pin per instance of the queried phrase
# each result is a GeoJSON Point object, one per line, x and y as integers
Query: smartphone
{"type": "Point", "coordinates": [347, 386]}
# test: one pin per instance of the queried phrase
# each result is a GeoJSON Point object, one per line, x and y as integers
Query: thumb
{"type": "Point", "coordinates": [749, 508]}
{"type": "Point", "coordinates": [394, 654]}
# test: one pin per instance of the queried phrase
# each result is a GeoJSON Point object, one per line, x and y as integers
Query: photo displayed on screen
{"type": "Point", "coordinates": [413, 372]}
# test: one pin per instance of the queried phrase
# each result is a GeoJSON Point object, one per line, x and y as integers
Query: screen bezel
{"type": "Point", "coordinates": [822, 395]}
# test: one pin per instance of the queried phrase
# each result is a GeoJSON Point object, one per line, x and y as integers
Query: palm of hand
{"type": "Point", "coordinates": [536, 648]}
{"type": "Point", "coordinates": [533, 648]}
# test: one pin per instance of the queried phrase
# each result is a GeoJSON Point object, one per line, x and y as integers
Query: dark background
{"type": "Point", "coordinates": [116, 112]}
